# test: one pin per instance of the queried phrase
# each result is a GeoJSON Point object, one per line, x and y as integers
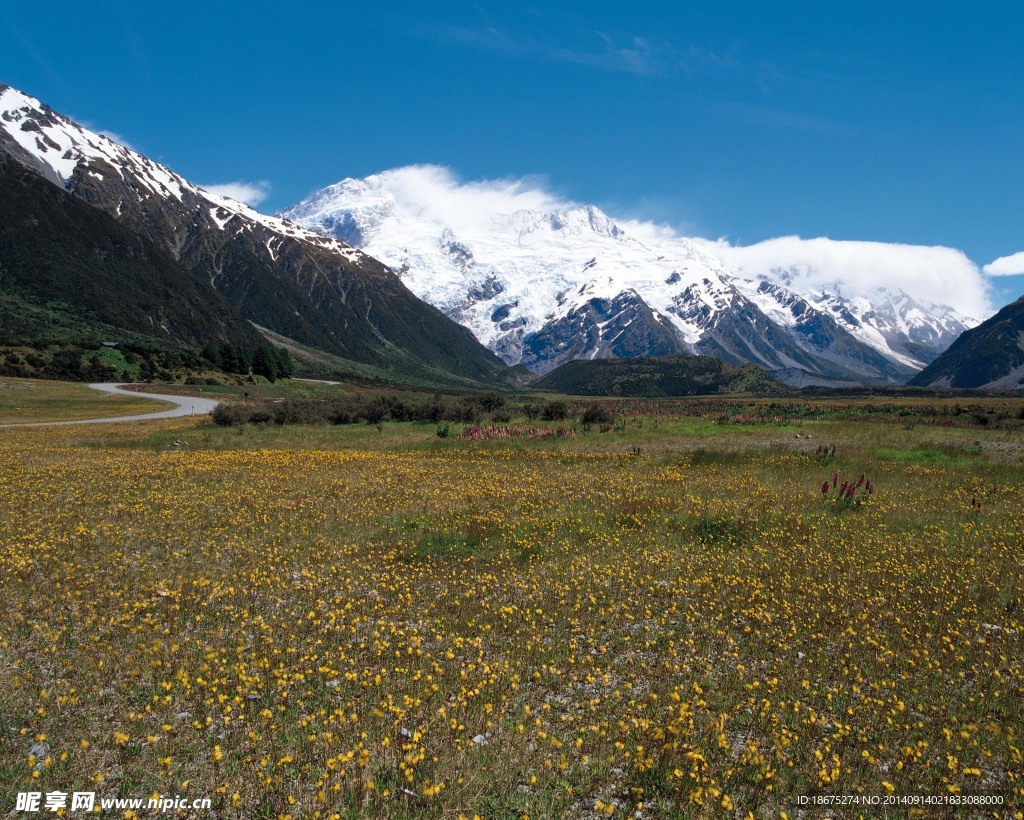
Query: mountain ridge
{"type": "Point", "coordinates": [63, 256]}
{"type": "Point", "coordinates": [989, 356]}
{"type": "Point", "coordinates": [542, 285]}
{"type": "Point", "coordinates": [276, 274]}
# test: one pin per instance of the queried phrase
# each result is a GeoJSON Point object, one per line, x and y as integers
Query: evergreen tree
{"type": "Point", "coordinates": [285, 367]}
{"type": "Point", "coordinates": [264, 363]}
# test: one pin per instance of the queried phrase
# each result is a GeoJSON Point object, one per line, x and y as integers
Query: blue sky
{"type": "Point", "coordinates": [891, 122]}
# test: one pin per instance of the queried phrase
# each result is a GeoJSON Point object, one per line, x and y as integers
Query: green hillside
{"type": "Point", "coordinates": [658, 376]}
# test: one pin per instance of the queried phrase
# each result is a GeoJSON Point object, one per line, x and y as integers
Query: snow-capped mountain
{"type": "Point", "coordinates": [63, 151]}
{"type": "Point", "coordinates": [544, 286]}
{"type": "Point", "coordinates": [902, 328]}
{"type": "Point", "coordinates": [280, 276]}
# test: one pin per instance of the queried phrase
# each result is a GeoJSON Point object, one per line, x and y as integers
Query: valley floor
{"type": "Point", "coordinates": [678, 617]}
{"type": "Point", "coordinates": [180, 405]}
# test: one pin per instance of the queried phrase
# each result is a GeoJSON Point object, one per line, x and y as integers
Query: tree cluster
{"type": "Point", "coordinates": [272, 363]}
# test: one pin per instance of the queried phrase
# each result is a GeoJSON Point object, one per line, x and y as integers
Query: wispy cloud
{"type": "Point", "coordinates": [435, 193]}
{"type": "Point", "coordinates": [1012, 265]}
{"type": "Point", "coordinates": [938, 274]}
{"type": "Point", "coordinates": [35, 54]}
{"type": "Point", "coordinates": [935, 274]}
{"type": "Point", "coordinates": [624, 53]}
{"type": "Point", "coordinates": [251, 193]}
{"type": "Point", "coordinates": [647, 56]}
{"type": "Point", "coordinates": [766, 116]}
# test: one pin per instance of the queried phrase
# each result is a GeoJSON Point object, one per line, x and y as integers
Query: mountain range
{"type": "Point", "coordinates": [267, 273]}
{"type": "Point", "coordinates": [541, 288]}
{"type": "Point", "coordinates": [96, 235]}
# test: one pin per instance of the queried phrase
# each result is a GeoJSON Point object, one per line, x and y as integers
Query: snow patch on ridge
{"type": "Point", "coordinates": [62, 146]}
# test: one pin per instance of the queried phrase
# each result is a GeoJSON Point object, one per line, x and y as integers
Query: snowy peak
{"type": "Point", "coordinates": [580, 222]}
{"type": "Point", "coordinates": [512, 275]}
{"type": "Point", "coordinates": [540, 282]}
{"type": "Point", "coordinates": [77, 158]}
{"type": "Point", "coordinates": [60, 146]}
{"type": "Point", "coordinates": [909, 330]}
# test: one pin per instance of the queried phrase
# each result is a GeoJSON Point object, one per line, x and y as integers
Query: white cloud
{"type": "Point", "coordinates": [936, 274]}
{"type": "Point", "coordinates": [113, 135]}
{"type": "Point", "coordinates": [106, 132]}
{"type": "Point", "coordinates": [930, 273]}
{"type": "Point", "coordinates": [251, 193]}
{"type": "Point", "coordinates": [1012, 265]}
{"type": "Point", "coordinates": [438, 195]}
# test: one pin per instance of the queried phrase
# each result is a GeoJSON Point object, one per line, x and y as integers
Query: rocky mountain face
{"type": "Point", "coordinates": [544, 287]}
{"type": "Point", "coordinates": [989, 356]}
{"type": "Point", "coordinates": [288, 279]}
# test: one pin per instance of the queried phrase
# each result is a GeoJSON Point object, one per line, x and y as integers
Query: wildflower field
{"type": "Point", "coordinates": [686, 615]}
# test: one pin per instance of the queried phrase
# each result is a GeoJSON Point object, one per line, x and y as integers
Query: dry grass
{"type": "Point", "coordinates": [31, 400]}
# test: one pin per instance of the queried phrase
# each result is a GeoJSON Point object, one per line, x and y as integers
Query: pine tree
{"type": "Point", "coordinates": [264, 363]}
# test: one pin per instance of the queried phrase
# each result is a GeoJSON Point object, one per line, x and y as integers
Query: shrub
{"type": "Point", "coordinates": [595, 415]}
{"type": "Point", "coordinates": [230, 415]}
{"type": "Point", "coordinates": [489, 402]}
{"type": "Point", "coordinates": [554, 411]}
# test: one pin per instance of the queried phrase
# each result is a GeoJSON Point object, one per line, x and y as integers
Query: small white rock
{"type": "Point", "coordinates": [39, 751]}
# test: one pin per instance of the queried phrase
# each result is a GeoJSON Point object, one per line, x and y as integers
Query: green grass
{"type": "Point", "coordinates": [30, 400]}
{"type": "Point", "coordinates": [929, 457]}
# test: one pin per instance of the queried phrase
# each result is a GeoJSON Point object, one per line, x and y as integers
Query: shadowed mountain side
{"type": "Point", "coordinates": [990, 355]}
{"type": "Point", "coordinates": [64, 263]}
{"type": "Point", "coordinates": [292, 281]}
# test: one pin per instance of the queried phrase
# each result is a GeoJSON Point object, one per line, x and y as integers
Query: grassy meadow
{"type": "Point", "coordinates": [679, 613]}
{"type": "Point", "coordinates": [30, 400]}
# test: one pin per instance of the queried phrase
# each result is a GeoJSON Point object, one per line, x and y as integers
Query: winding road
{"type": "Point", "coordinates": [184, 406]}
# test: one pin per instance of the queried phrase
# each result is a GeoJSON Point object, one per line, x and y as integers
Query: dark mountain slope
{"type": "Point", "coordinates": [79, 267]}
{"type": "Point", "coordinates": [990, 355]}
{"type": "Point", "coordinates": [313, 289]}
